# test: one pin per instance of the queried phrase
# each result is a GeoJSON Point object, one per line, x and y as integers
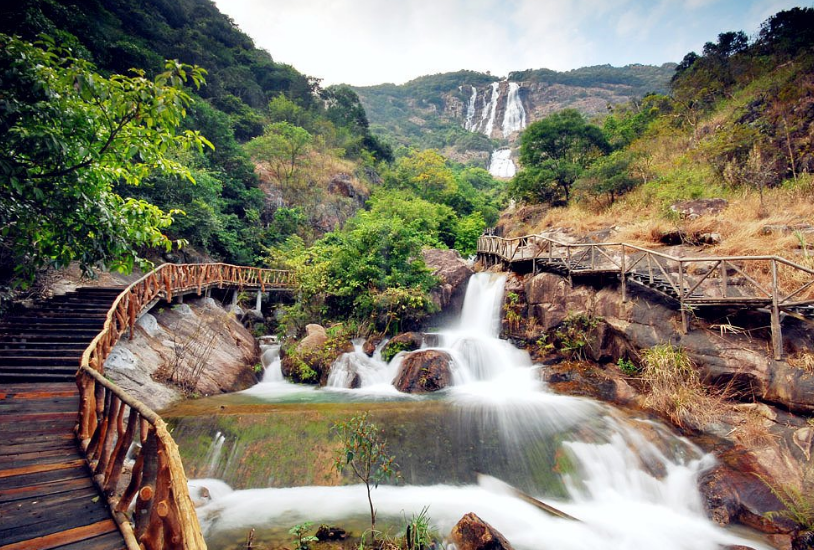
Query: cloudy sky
{"type": "Point", "coordinates": [365, 42]}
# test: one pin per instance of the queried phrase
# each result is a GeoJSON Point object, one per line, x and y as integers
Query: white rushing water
{"type": "Point", "coordinates": [490, 111]}
{"type": "Point", "coordinates": [470, 123]}
{"type": "Point", "coordinates": [501, 164]}
{"type": "Point", "coordinates": [514, 119]}
{"type": "Point", "coordinates": [631, 482]}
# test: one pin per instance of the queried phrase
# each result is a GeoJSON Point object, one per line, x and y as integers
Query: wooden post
{"type": "Point", "coordinates": [724, 279]}
{"type": "Point", "coordinates": [623, 271]}
{"type": "Point", "coordinates": [685, 320]}
{"type": "Point", "coordinates": [777, 336]}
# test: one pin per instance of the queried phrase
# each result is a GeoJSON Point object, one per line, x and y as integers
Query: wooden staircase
{"type": "Point", "coordinates": [47, 495]}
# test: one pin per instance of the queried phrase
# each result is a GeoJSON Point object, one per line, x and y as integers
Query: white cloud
{"type": "Point", "coordinates": [374, 41]}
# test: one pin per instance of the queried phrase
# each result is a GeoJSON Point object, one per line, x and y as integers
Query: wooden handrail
{"type": "Point", "coordinates": [686, 276]}
{"type": "Point", "coordinates": [163, 516]}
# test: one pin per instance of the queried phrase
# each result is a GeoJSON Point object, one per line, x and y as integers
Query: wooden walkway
{"type": "Point", "coordinates": [47, 495]}
{"type": "Point", "coordinates": [84, 465]}
{"type": "Point", "coordinates": [769, 283]}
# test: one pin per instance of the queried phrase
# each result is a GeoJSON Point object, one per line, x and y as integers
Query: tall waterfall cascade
{"type": "Point", "coordinates": [631, 481]}
{"type": "Point", "coordinates": [514, 114]}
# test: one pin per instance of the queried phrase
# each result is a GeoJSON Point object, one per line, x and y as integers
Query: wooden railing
{"type": "Point", "coordinates": [757, 281]}
{"type": "Point", "coordinates": [154, 489]}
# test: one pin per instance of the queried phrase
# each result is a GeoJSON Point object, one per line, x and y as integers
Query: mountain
{"type": "Point", "coordinates": [469, 115]}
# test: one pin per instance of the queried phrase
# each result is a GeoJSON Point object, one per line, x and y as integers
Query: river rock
{"type": "Point", "coordinates": [406, 341]}
{"type": "Point", "coordinates": [454, 273]}
{"type": "Point", "coordinates": [372, 342]}
{"type": "Point", "coordinates": [733, 492]}
{"type": "Point", "coordinates": [424, 372]}
{"type": "Point", "coordinates": [472, 533]}
{"type": "Point", "coordinates": [315, 338]}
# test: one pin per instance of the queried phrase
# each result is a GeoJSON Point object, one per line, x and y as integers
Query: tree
{"type": "Point", "coordinates": [553, 152]}
{"type": "Point", "coordinates": [284, 147]}
{"type": "Point", "coordinates": [609, 176]}
{"type": "Point", "coordinates": [364, 452]}
{"type": "Point", "coordinates": [67, 135]}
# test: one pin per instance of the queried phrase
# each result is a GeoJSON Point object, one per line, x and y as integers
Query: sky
{"type": "Point", "coordinates": [366, 42]}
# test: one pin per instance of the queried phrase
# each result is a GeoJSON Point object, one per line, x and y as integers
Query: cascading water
{"type": "Point", "coordinates": [631, 482]}
{"type": "Point", "coordinates": [490, 111]}
{"type": "Point", "coordinates": [514, 119]}
{"type": "Point", "coordinates": [470, 111]}
{"type": "Point", "coordinates": [501, 164]}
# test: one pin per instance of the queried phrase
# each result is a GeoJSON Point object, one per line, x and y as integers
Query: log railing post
{"type": "Point", "coordinates": [777, 336]}
{"type": "Point", "coordinates": [623, 275]}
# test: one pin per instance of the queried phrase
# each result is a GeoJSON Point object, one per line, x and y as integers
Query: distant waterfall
{"type": "Point", "coordinates": [470, 111]}
{"type": "Point", "coordinates": [491, 109]}
{"type": "Point", "coordinates": [514, 119]}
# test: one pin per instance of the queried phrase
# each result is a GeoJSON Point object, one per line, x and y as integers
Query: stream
{"type": "Point", "coordinates": [265, 455]}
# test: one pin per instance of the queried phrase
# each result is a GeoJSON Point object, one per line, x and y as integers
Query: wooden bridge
{"type": "Point", "coordinates": [759, 282]}
{"type": "Point", "coordinates": [84, 465]}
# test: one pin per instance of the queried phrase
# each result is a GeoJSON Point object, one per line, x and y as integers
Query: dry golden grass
{"type": "Point", "coordinates": [753, 430]}
{"type": "Point", "coordinates": [675, 388]}
{"type": "Point", "coordinates": [802, 360]}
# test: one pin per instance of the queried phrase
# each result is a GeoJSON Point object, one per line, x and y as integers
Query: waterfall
{"type": "Point", "coordinates": [631, 481]}
{"type": "Point", "coordinates": [270, 359]}
{"type": "Point", "coordinates": [501, 165]}
{"type": "Point", "coordinates": [514, 119]}
{"type": "Point", "coordinates": [213, 454]}
{"type": "Point", "coordinates": [490, 111]}
{"type": "Point", "coordinates": [470, 111]}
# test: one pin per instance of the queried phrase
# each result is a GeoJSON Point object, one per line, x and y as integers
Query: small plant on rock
{"type": "Point", "coordinates": [419, 533]}
{"type": "Point", "coordinates": [575, 334]}
{"type": "Point", "coordinates": [798, 505]}
{"type": "Point", "coordinates": [627, 366]}
{"type": "Point", "coordinates": [301, 538]}
{"type": "Point", "coordinates": [364, 452]}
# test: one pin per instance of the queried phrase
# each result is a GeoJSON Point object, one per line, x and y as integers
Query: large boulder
{"type": "Point", "coordinates": [310, 360]}
{"type": "Point", "coordinates": [406, 341]}
{"type": "Point", "coordinates": [734, 492]}
{"type": "Point", "coordinates": [472, 533]}
{"type": "Point", "coordinates": [424, 372]}
{"type": "Point", "coordinates": [454, 273]}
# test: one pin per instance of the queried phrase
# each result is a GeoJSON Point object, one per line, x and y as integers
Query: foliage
{"type": "Point", "coordinates": [469, 230]}
{"type": "Point", "coordinates": [393, 349]}
{"type": "Point", "coordinates": [674, 384]}
{"type": "Point", "coordinates": [798, 506]}
{"type": "Point", "coordinates": [364, 452]}
{"type": "Point", "coordinates": [301, 539]}
{"type": "Point", "coordinates": [575, 334]}
{"type": "Point", "coordinates": [419, 533]}
{"type": "Point", "coordinates": [609, 177]}
{"type": "Point", "coordinates": [554, 152]}
{"type": "Point", "coordinates": [69, 135]}
{"type": "Point", "coordinates": [627, 366]}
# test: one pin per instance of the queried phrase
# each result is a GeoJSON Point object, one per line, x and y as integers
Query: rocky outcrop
{"type": "Point", "coordinates": [734, 491]}
{"type": "Point", "coordinates": [737, 362]}
{"type": "Point", "coordinates": [454, 273]}
{"type": "Point", "coordinates": [424, 371]}
{"type": "Point", "coordinates": [196, 347]}
{"type": "Point", "coordinates": [373, 341]}
{"type": "Point", "coordinates": [472, 533]}
{"type": "Point", "coordinates": [406, 341]}
{"type": "Point", "coordinates": [310, 360]}
{"type": "Point", "coordinates": [693, 209]}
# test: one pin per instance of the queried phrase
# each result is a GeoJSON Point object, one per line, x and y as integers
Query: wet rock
{"type": "Point", "coordinates": [330, 533]}
{"type": "Point", "coordinates": [372, 342]}
{"type": "Point", "coordinates": [733, 492]}
{"type": "Point", "coordinates": [607, 384]}
{"type": "Point", "coordinates": [406, 341]}
{"type": "Point", "coordinates": [472, 533]}
{"type": "Point", "coordinates": [693, 209]}
{"type": "Point", "coordinates": [315, 338]}
{"type": "Point", "coordinates": [454, 273]}
{"type": "Point", "coordinates": [424, 372]}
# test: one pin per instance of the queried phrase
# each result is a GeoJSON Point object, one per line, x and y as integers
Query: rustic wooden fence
{"type": "Point", "coordinates": [770, 282]}
{"type": "Point", "coordinates": [145, 483]}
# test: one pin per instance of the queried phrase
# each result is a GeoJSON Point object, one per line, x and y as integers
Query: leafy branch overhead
{"type": "Point", "coordinates": [69, 136]}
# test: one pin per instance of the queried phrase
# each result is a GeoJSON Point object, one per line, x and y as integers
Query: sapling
{"type": "Point", "coordinates": [363, 451]}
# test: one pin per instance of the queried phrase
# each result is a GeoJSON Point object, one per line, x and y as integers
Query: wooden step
{"type": "Point", "coordinates": [39, 360]}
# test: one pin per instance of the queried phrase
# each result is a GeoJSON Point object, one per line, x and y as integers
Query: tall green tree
{"type": "Point", "coordinates": [554, 152]}
{"type": "Point", "coordinates": [67, 135]}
